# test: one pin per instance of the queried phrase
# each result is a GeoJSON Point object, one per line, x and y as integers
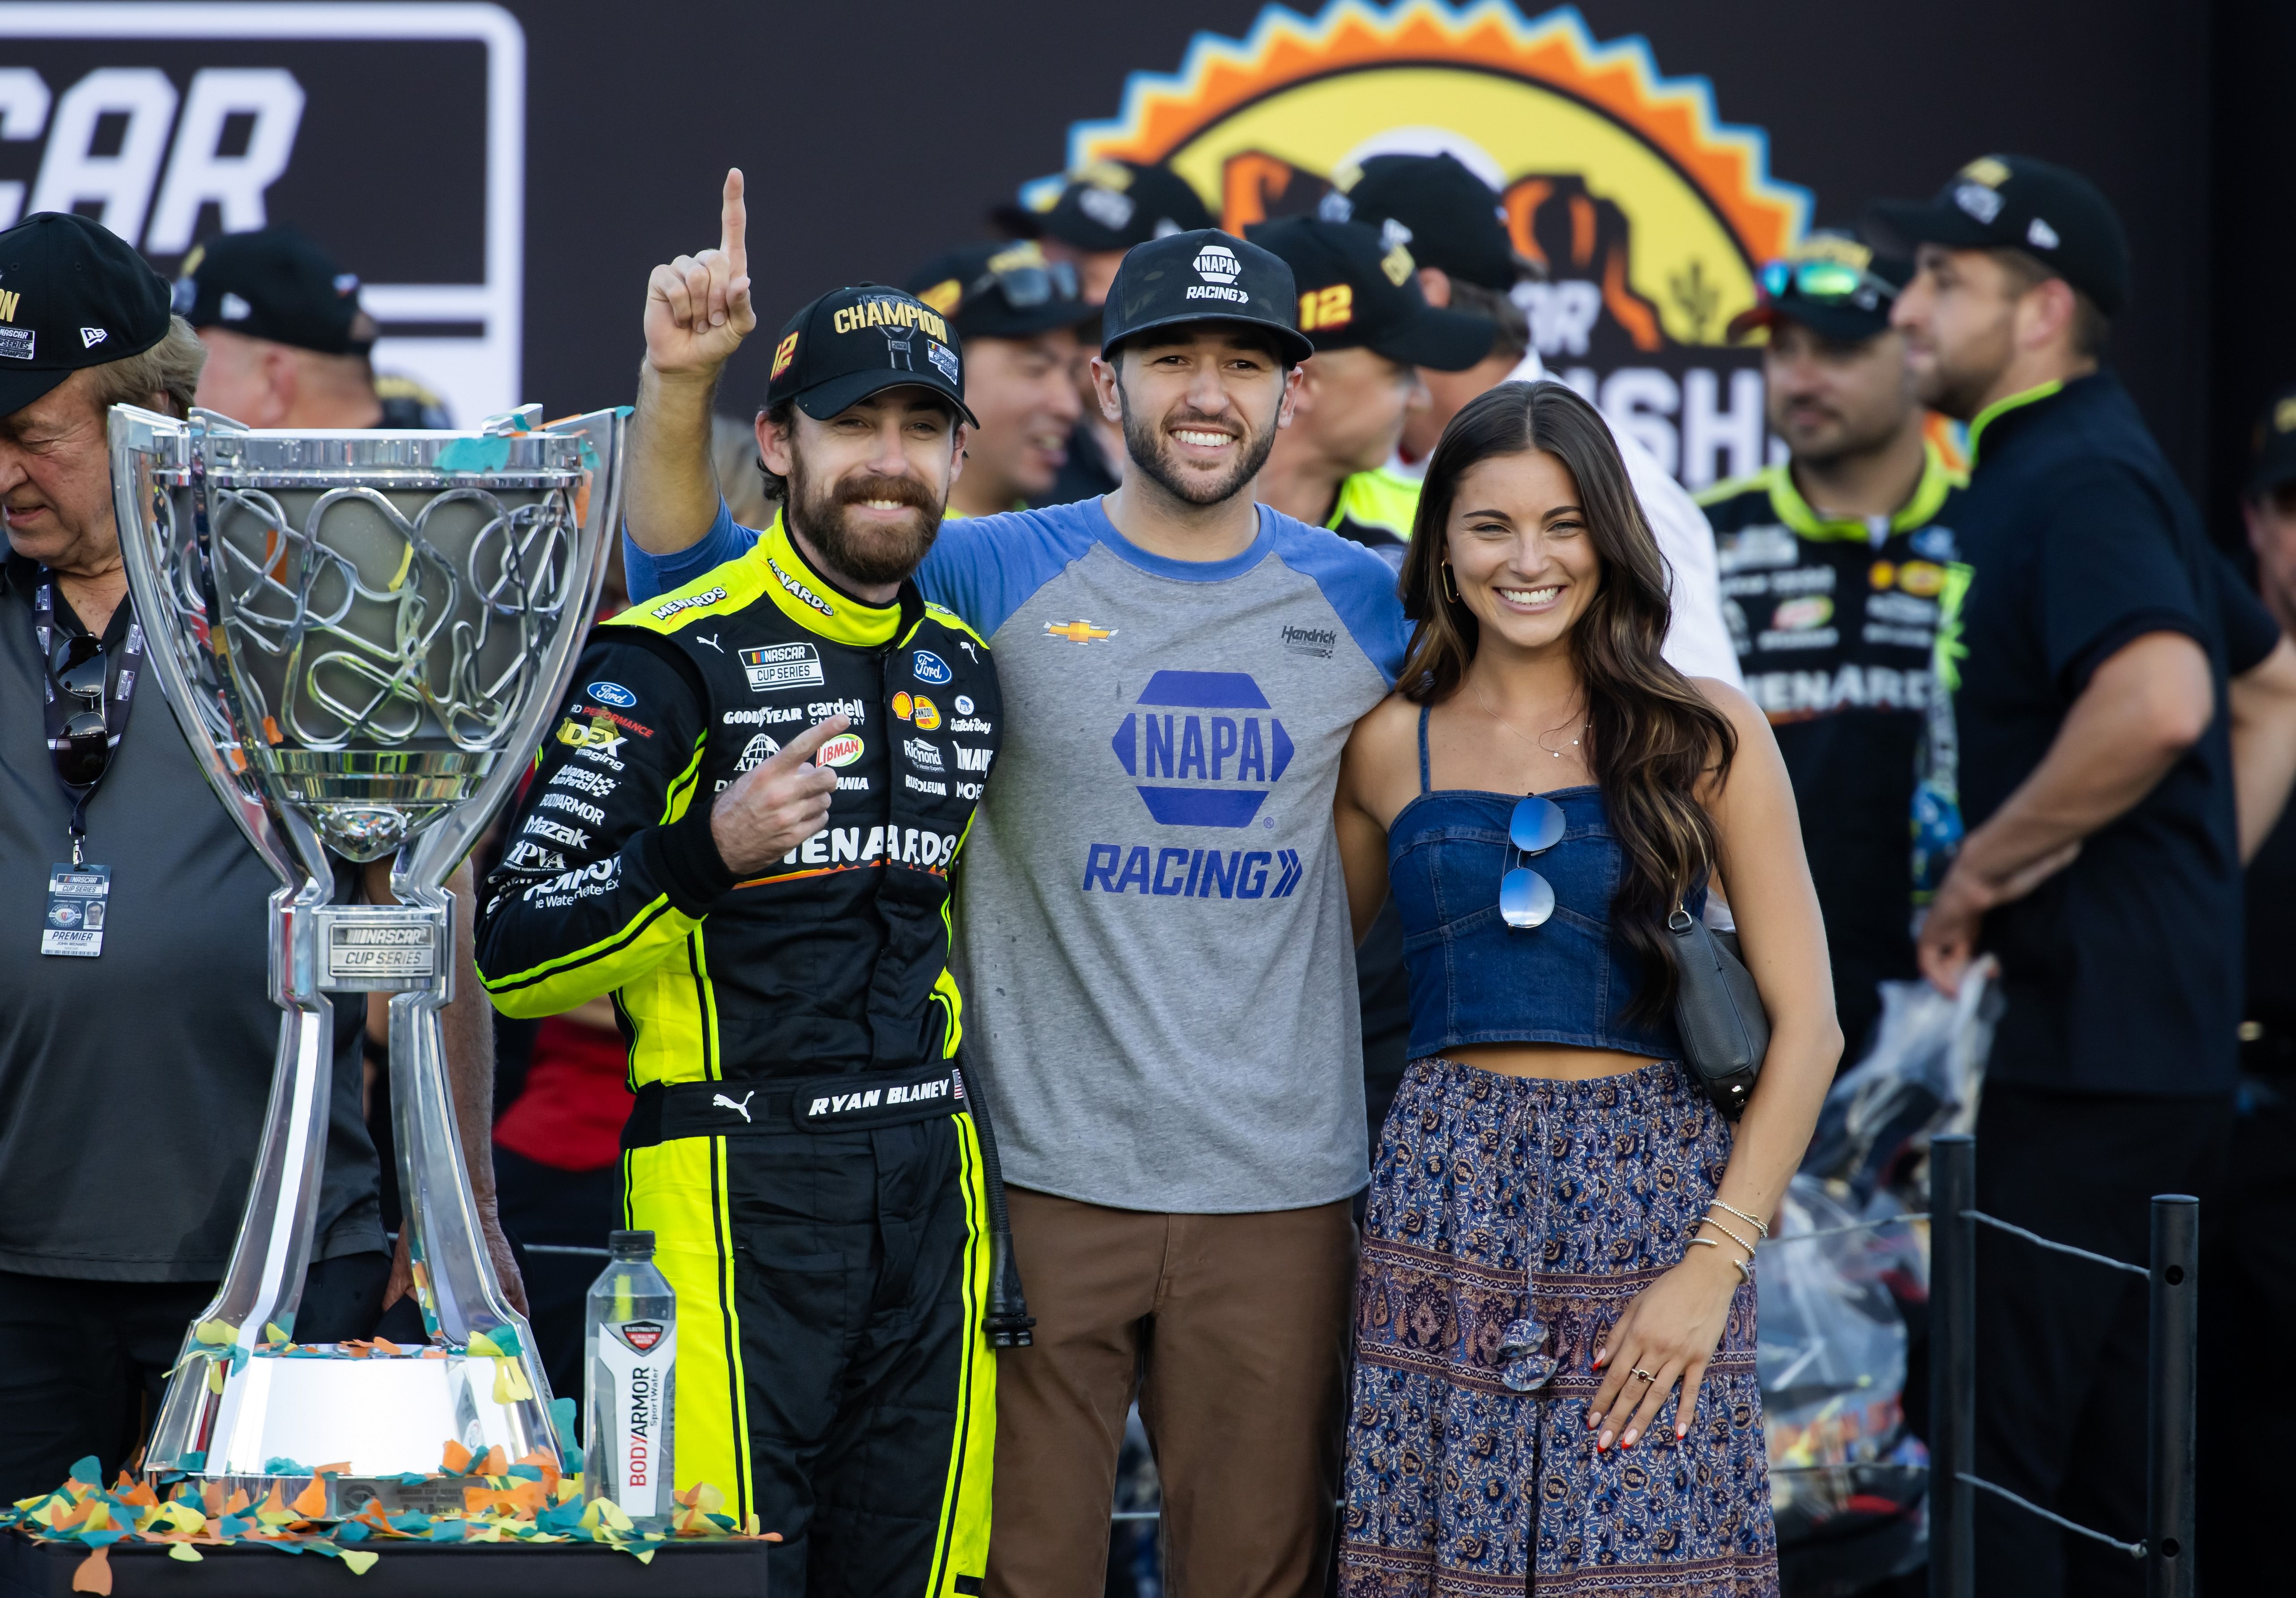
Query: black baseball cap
{"type": "Point", "coordinates": [1356, 293]}
{"type": "Point", "coordinates": [1205, 275]}
{"type": "Point", "coordinates": [2272, 447]}
{"type": "Point", "coordinates": [845, 347]}
{"type": "Point", "coordinates": [2014, 202]}
{"type": "Point", "coordinates": [1112, 205]}
{"type": "Point", "coordinates": [72, 294]}
{"type": "Point", "coordinates": [1833, 283]}
{"type": "Point", "coordinates": [274, 283]}
{"type": "Point", "coordinates": [1449, 216]}
{"type": "Point", "coordinates": [1007, 290]}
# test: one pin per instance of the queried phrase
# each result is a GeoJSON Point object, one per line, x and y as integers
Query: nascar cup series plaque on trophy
{"type": "Point", "coordinates": [363, 634]}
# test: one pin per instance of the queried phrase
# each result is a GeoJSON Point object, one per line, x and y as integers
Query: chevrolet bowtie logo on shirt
{"type": "Point", "coordinates": [1078, 632]}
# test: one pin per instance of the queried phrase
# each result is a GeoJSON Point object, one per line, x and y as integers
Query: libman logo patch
{"type": "Point", "coordinates": [1649, 214]}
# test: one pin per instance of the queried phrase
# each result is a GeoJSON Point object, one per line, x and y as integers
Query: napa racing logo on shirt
{"type": "Point", "coordinates": [1204, 748]}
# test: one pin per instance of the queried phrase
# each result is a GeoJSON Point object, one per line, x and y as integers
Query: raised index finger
{"type": "Point", "coordinates": [733, 224]}
{"type": "Point", "coordinates": [801, 748]}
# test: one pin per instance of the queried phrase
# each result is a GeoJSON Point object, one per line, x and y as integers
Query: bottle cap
{"type": "Point", "coordinates": [626, 1242]}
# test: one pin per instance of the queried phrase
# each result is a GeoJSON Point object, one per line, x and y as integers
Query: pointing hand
{"type": "Point", "coordinates": [769, 811]}
{"type": "Point", "coordinates": [697, 308]}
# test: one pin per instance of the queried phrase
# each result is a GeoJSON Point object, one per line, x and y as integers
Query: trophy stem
{"type": "Point", "coordinates": [264, 1281]}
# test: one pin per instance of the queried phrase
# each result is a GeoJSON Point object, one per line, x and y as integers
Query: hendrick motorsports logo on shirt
{"type": "Point", "coordinates": [783, 666]}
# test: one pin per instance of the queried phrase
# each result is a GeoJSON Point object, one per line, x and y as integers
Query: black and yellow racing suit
{"type": "Point", "coordinates": [1835, 620]}
{"type": "Point", "coordinates": [800, 1147]}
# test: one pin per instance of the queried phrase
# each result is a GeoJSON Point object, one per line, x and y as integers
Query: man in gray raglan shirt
{"type": "Point", "coordinates": [1161, 979]}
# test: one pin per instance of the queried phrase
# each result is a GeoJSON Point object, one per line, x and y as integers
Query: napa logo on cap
{"type": "Point", "coordinates": [1648, 213]}
{"type": "Point", "coordinates": [1217, 264]}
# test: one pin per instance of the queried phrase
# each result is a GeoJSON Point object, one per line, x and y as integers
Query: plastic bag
{"type": "Point", "coordinates": [1922, 1076]}
{"type": "Point", "coordinates": [1846, 1480]}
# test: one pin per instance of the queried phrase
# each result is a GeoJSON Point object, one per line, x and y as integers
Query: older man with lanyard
{"type": "Point", "coordinates": [135, 1045]}
{"type": "Point", "coordinates": [2102, 639]}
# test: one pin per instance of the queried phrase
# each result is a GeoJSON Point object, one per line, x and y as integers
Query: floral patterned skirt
{"type": "Point", "coordinates": [1512, 1219]}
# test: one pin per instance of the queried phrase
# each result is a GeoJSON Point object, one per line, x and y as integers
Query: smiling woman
{"type": "Point", "coordinates": [1596, 1218]}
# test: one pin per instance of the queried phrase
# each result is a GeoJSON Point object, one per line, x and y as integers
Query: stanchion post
{"type": "Point", "coordinates": [2172, 1397]}
{"type": "Point", "coordinates": [1953, 1366]}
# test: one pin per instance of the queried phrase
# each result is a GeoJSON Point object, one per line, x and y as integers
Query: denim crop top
{"type": "Point", "coordinates": [1473, 979]}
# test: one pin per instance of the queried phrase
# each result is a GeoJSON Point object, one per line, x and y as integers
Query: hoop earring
{"type": "Point", "coordinates": [1450, 591]}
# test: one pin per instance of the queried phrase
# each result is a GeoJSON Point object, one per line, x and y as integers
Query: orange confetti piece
{"type": "Point", "coordinates": [496, 1462]}
{"type": "Point", "coordinates": [67, 1518]}
{"type": "Point", "coordinates": [94, 1572]}
{"type": "Point", "coordinates": [342, 1467]}
{"type": "Point", "coordinates": [384, 1345]}
{"type": "Point", "coordinates": [458, 1458]}
{"type": "Point", "coordinates": [211, 1498]}
{"type": "Point", "coordinates": [141, 1494]}
{"type": "Point", "coordinates": [237, 1501]}
{"type": "Point", "coordinates": [312, 1501]}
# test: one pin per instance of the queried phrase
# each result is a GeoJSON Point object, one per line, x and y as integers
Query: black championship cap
{"type": "Point", "coordinates": [1834, 284]}
{"type": "Point", "coordinates": [1356, 293]}
{"type": "Point", "coordinates": [1206, 276]}
{"type": "Point", "coordinates": [2272, 449]}
{"type": "Point", "coordinates": [858, 341]}
{"type": "Point", "coordinates": [1449, 215]}
{"type": "Point", "coordinates": [72, 294]}
{"type": "Point", "coordinates": [2015, 203]}
{"type": "Point", "coordinates": [273, 284]}
{"type": "Point", "coordinates": [1002, 291]}
{"type": "Point", "coordinates": [1113, 205]}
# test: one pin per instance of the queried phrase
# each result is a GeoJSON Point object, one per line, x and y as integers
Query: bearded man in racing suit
{"type": "Point", "coordinates": [743, 828]}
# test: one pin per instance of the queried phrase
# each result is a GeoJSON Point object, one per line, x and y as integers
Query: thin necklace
{"type": "Point", "coordinates": [1539, 743]}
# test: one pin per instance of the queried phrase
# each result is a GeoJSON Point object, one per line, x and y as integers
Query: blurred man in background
{"type": "Point", "coordinates": [2109, 803]}
{"type": "Point", "coordinates": [1017, 315]}
{"type": "Point", "coordinates": [1451, 220]}
{"type": "Point", "coordinates": [287, 343]}
{"type": "Point", "coordinates": [1361, 306]}
{"type": "Point", "coordinates": [1832, 565]}
{"type": "Point", "coordinates": [1103, 209]}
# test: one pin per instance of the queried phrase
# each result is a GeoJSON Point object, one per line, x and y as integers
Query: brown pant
{"type": "Point", "coordinates": [1232, 1331]}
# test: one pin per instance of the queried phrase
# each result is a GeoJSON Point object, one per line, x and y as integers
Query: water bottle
{"type": "Point", "coordinates": [629, 1391]}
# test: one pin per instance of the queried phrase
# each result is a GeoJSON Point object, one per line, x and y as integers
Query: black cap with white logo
{"type": "Point", "coordinates": [1202, 276]}
{"type": "Point", "coordinates": [274, 283]}
{"type": "Point", "coordinates": [845, 347]}
{"type": "Point", "coordinates": [2272, 448]}
{"type": "Point", "coordinates": [1007, 290]}
{"type": "Point", "coordinates": [2014, 202]}
{"type": "Point", "coordinates": [1113, 205]}
{"type": "Point", "coordinates": [1832, 284]}
{"type": "Point", "coordinates": [1356, 293]}
{"type": "Point", "coordinates": [1449, 216]}
{"type": "Point", "coordinates": [72, 294]}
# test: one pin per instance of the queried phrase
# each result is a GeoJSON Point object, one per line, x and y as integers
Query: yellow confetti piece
{"type": "Point", "coordinates": [186, 1553]}
{"type": "Point", "coordinates": [215, 1333]}
{"type": "Point", "coordinates": [360, 1559]}
{"type": "Point", "coordinates": [511, 1385]}
{"type": "Point", "coordinates": [215, 1376]}
{"type": "Point", "coordinates": [271, 1330]}
{"type": "Point", "coordinates": [480, 1343]}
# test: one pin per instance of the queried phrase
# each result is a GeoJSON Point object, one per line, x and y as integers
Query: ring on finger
{"type": "Point", "coordinates": [1645, 1375]}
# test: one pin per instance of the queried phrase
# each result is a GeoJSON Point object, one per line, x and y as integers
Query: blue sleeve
{"type": "Point", "coordinates": [985, 568]}
{"type": "Point", "coordinates": [1358, 584]}
{"type": "Point", "coordinates": [646, 574]}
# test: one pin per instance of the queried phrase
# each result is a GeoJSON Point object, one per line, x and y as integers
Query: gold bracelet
{"type": "Point", "coordinates": [1709, 1221]}
{"type": "Point", "coordinates": [1742, 1215]}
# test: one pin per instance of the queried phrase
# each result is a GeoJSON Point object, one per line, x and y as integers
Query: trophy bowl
{"type": "Point", "coordinates": [362, 636]}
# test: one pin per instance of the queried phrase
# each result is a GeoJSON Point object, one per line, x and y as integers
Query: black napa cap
{"type": "Point", "coordinates": [1205, 275]}
{"type": "Point", "coordinates": [2272, 446]}
{"type": "Point", "coordinates": [846, 346]}
{"type": "Point", "coordinates": [1356, 293]}
{"type": "Point", "coordinates": [1852, 319]}
{"type": "Point", "coordinates": [2014, 202]}
{"type": "Point", "coordinates": [1113, 205]}
{"type": "Point", "coordinates": [72, 294]}
{"type": "Point", "coordinates": [274, 283]}
{"type": "Point", "coordinates": [1006, 291]}
{"type": "Point", "coordinates": [1449, 216]}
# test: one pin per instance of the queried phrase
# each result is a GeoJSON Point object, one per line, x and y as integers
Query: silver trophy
{"type": "Point", "coordinates": [364, 636]}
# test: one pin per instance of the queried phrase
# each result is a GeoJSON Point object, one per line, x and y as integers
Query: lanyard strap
{"type": "Point", "coordinates": [120, 694]}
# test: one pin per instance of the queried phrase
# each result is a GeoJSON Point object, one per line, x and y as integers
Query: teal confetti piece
{"type": "Point", "coordinates": [447, 1531]}
{"type": "Point", "coordinates": [562, 1422]}
{"type": "Point", "coordinates": [281, 1465]}
{"type": "Point", "coordinates": [196, 1460]}
{"type": "Point", "coordinates": [85, 1469]}
{"type": "Point", "coordinates": [101, 1539]}
{"type": "Point", "coordinates": [526, 1472]}
{"type": "Point", "coordinates": [474, 455]}
{"type": "Point", "coordinates": [352, 1531]}
{"type": "Point", "coordinates": [409, 1521]}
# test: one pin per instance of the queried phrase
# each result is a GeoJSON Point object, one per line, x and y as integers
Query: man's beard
{"type": "Point", "coordinates": [1151, 451]}
{"type": "Point", "coordinates": [1958, 388]}
{"type": "Point", "coordinates": [868, 554]}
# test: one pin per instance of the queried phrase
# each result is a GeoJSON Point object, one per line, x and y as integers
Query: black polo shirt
{"type": "Point", "coordinates": [2122, 971]}
{"type": "Point", "coordinates": [133, 1086]}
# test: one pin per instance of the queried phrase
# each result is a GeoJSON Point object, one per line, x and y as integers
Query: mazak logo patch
{"type": "Point", "coordinates": [694, 601]}
{"type": "Point", "coordinates": [797, 590]}
{"type": "Point", "coordinates": [1212, 758]}
{"type": "Point", "coordinates": [782, 666]}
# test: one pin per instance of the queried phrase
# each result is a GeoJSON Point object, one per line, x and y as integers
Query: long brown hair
{"type": "Point", "coordinates": [1653, 739]}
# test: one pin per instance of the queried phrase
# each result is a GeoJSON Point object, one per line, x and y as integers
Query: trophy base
{"type": "Point", "coordinates": [381, 1419]}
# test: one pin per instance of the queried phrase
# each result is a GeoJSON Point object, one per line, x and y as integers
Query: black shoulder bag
{"type": "Point", "coordinates": [1718, 1010]}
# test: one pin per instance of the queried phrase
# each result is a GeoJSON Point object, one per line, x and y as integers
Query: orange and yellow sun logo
{"type": "Point", "coordinates": [1646, 212]}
